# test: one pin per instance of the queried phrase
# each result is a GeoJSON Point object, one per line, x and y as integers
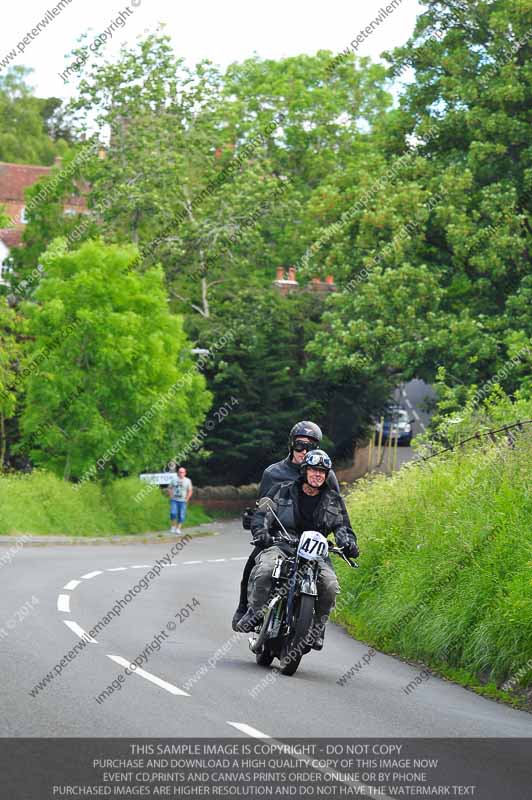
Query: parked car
{"type": "Point", "coordinates": [396, 425]}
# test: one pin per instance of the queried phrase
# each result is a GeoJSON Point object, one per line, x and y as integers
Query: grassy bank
{"type": "Point", "coordinates": [446, 567]}
{"type": "Point", "coordinates": [42, 504]}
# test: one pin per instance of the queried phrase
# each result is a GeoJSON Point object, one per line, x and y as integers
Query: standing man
{"type": "Point", "coordinates": [179, 491]}
{"type": "Point", "coordinates": [303, 437]}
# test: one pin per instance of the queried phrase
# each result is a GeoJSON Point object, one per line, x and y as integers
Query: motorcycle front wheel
{"type": "Point", "coordinates": [265, 657]}
{"type": "Point", "coordinates": [294, 647]}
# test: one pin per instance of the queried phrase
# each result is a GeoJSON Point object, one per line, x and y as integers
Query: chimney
{"type": "Point", "coordinates": [330, 280]}
{"type": "Point", "coordinates": [283, 284]}
{"type": "Point", "coordinates": [101, 153]}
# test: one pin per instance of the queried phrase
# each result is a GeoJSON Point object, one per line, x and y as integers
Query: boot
{"type": "Point", "coordinates": [237, 616]}
{"type": "Point", "coordinates": [249, 621]}
{"type": "Point", "coordinates": [318, 635]}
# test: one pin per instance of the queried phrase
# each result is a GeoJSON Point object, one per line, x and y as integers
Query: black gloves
{"type": "Point", "coordinates": [247, 516]}
{"type": "Point", "coordinates": [347, 542]}
{"type": "Point", "coordinates": [263, 539]}
{"type": "Point", "coordinates": [351, 550]}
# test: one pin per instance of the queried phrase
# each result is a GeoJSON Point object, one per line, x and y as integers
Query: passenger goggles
{"type": "Point", "coordinates": [299, 446]}
{"type": "Point", "coordinates": [318, 460]}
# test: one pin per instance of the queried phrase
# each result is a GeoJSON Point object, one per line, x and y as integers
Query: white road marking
{"type": "Point", "coordinates": [141, 566]}
{"type": "Point", "coordinates": [116, 569]}
{"type": "Point", "coordinates": [241, 726]}
{"type": "Point", "coordinates": [192, 562]}
{"type": "Point", "coordinates": [90, 575]}
{"type": "Point", "coordinates": [63, 603]}
{"type": "Point", "coordinates": [71, 585]}
{"type": "Point", "coordinates": [169, 687]}
{"type": "Point", "coordinates": [215, 560]}
{"type": "Point", "coordinates": [78, 630]}
{"type": "Point", "coordinates": [239, 558]}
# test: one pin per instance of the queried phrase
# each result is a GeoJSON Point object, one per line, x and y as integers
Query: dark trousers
{"type": "Point", "coordinates": [250, 563]}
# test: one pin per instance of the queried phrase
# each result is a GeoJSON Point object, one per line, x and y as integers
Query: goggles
{"type": "Point", "coordinates": [318, 460]}
{"type": "Point", "coordinates": [299, 446]}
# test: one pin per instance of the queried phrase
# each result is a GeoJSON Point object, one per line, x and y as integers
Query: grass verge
{"type": "Point", "coordinates": [41, 504]}
{"type": "Point", "coordinates": [445, 572]}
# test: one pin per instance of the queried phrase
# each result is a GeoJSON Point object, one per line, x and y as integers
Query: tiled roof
{"type": "Point", "coordinates": [15, 178]}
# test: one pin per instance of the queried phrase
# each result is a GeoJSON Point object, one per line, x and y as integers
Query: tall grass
{"type": "Point", "coordinates": [40, 503]}
{"type": "Point", "coordinates": [446, 561]}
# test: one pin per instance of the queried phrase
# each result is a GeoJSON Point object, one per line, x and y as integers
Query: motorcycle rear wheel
{"type": "Point", "coordinates": [292, 651]}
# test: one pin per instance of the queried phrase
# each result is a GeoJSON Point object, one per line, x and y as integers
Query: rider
{"type": "Point", "coordinates": [303, 437]}
{"type": "Point", "coordinates": [304, 504]}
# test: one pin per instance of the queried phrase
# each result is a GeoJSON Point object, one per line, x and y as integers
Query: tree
{"type": "Point", "coordinates": [110, 379]}
{"type": "Point", "coordinates": [434, 255]}
{"type": "Point", "coordinates": [25, 133]}
{"type": "Point", "coordinates": [10, 351]}
{"type": "Point", "coordinates": [262, 377]}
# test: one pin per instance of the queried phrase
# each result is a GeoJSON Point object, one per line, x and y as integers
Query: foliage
{"type": "Point", "coordinates": [445, 560]}
{"type": "Point", "coordinates": [264, 367]}
{"type": "Point", "coordinates": [11, 326]}
{"type": "Point", "coordinates": [443, 216]}
{"type": "Point", "coordinates": [107, 357]}
{"type": "Point", "coordinates": [27, 134]}
{"type": "Point", "coordinates": [41, 504]}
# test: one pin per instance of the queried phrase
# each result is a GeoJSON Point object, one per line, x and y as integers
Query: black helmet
{"type": "Point", "coordinates": [316, 458]}
{"type": "Point", "coordinates": [305, 428]}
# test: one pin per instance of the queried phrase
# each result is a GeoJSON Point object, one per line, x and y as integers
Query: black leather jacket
{"type": "Point", "coordinates": [330, 514]}
{"type": "Point", "coordinates": [286, 470]}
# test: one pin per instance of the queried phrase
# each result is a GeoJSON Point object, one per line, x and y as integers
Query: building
{"type": "Point", "coordinates": [14, 180]}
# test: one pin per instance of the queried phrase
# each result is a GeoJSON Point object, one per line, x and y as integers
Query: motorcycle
{"type": "Point", "coordinates": [285, 632]}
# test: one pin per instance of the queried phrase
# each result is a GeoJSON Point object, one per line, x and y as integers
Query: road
{"type": "Point", "coordinates": [79, 584]}
{"type": "Point", "coordinates": [412, 396]}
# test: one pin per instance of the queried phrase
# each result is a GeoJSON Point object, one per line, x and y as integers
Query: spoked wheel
{"type": "Point", "coordinates": [294, 647]}
{"type": "Point", "coordinates": [265, 657]}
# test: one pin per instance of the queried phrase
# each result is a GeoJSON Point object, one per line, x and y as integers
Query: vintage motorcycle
{"type": "Point", "coordinates": [285, 632]}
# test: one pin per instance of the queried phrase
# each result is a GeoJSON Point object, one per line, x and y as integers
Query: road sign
{"type": "Point", "coordinates": [158, 478]}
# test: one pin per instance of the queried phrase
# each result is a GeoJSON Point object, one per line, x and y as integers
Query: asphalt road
{"type": "Point", "coordinates": [412, 396]}
{"type": "Point", "coordinates": [230, 697]}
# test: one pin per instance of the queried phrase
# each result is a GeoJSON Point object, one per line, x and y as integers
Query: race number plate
{"type": "Point", "coordinates": [312, 545]}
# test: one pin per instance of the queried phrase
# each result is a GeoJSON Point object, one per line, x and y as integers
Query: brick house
{"type": "Point", "coordinates": [14, 180]}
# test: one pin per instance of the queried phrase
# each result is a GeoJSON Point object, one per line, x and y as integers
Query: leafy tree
{"type": "Point", "coordinates": [110, 380]}
{"type": "Point", "coordinates": [25, 133]}
{"type": "Point", "coordinates": [10, 351]}
{"type": "Point", "coordinates": [435, 258]}
{"type": "Point", "coordinates": [263, 379]}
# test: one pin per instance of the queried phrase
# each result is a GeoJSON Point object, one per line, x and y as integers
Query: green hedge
{"type": "Point", "coordinates": [446, 563]}
{"type": "Point", "coordinates": [40, 503]}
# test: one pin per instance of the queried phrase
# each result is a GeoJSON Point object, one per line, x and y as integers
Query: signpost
{"type": "Point", "coordinates": [157, 478]}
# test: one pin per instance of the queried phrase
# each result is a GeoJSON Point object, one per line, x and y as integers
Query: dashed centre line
{"type": "Point", "coordinates": [169, 687]}
{"type": "Point", "coordinates": [63, 603]}
{"type": "Point", "coordinates": [241, 726]}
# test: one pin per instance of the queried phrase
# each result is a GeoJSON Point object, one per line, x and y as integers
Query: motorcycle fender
{"type": "Point", "coordinates": [308, 586]}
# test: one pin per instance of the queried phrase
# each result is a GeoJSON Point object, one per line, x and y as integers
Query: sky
{"type": "Point", "coordinates": [222, 32]}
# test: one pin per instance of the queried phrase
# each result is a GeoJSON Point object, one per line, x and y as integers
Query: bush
{"type": "Point", "coordinates": [42, 504]}
{"type": "Point", "coordinates": [446, 557]}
